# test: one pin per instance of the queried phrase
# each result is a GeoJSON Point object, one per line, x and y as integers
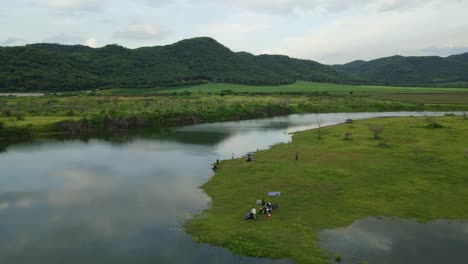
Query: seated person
{"type": "Point", "coordinates": [249, 216]}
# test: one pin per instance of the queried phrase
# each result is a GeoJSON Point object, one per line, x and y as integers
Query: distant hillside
{"type": "Point", "coordinates": [63, 67]}
{"type": "Point", "coordinates": [415, 71]}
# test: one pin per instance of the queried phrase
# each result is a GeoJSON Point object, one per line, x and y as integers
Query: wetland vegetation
{"type": "Point", "coordinates": [121, 109]}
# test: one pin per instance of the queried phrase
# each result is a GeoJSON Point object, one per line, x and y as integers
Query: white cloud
{"type": "Point", "coordinates": [12, 41]}
{"type": "Point", "coordinates": [158, 3]}
{"type": "Point", "coordinates": [63, 39]}
{"type": "Point", "coordinates": [140, 32]}
{"type": "Point", "coordinates": [369, 36]}
{"type": "Point", "coordinates": [91, 42]}
{"type": "Point", "coordinates": [236, 28]}
{"type": "Point", "coordinates": [328, 31]}
{"type": "Point", "coordinates": [306, 7]}
{"type": "Point", "coordinates": [444, 50]}
{"type": "Point", "coordinates": [71, 4]}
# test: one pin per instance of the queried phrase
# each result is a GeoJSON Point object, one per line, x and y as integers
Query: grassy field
{"type": "Point", "coordinates": [427, 98]}
{"type": "Point", "coordinates": [298, 87]}
{"type": "Point", "coordinates": [412, 171]}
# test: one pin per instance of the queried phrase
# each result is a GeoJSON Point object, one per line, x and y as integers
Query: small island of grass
{"type": "Point", "coordinates": [401, 167]}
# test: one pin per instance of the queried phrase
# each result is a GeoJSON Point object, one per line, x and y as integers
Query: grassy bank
{"type": "Point", "coordinates": [413, 170]}
{"type": "Point", "coordinates": [78, 114]}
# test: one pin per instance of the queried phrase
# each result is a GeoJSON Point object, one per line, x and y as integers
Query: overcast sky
{"type": "Point", "coordinates": [328, 31]}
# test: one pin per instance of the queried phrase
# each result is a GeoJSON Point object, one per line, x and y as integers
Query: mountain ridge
{"type": "Point", "coordinates": [411, 70]}
{"type": "Point", "coordinates": [53, 67]}
{"type": "Point", "coordinates": [57, 67]}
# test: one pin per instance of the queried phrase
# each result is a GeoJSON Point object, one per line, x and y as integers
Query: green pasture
{"type": "Point", "coordinates": [298, 87]}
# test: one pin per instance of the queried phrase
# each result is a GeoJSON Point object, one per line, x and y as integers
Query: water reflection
{"type": "Point", "coordinates": [94, 202]}
{"type": "Point", "coordinates": [391, 240]}
{"type": "Point", "coordinates": [123, 198]}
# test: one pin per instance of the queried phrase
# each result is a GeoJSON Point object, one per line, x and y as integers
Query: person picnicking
{"type": "Point", "coordinates": [265, 208]}
{"type": "Point", "coordinates": [252, 214]}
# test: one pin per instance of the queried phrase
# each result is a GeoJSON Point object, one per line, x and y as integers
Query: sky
{"type": "Point", "coordinates": [327, 31]}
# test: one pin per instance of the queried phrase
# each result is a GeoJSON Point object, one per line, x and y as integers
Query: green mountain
{"type": "Point", "coordinates": [56, 67]}
{"type": "Point", "coordinates": [411, 71]}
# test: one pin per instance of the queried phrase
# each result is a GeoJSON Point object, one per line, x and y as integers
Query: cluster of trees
{"type": "Point", "coordinates": [55, 67]}
{"type": "Point", "coordinates": [412, 71]}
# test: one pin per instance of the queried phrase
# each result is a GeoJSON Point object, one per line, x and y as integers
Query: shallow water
{"type": "Point", "coordinates": [392, 240]}
{"type": "Point", "coordinates": [22, 94]}
{"type": "Point", "coordinates": [124, 199]}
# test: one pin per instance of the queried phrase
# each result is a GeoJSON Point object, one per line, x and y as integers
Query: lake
{"type": "Point", "coordinates": [393, 240]}
{"type": "Point", "coordinates": [125, 198]}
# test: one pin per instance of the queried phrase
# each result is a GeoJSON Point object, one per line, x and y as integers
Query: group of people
{"type": "Point", "coordinates": [265, 208]}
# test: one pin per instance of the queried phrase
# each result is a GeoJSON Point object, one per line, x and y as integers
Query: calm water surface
{"type": "Point", "coordinates": [125, 199]}
{"type": "Point", "coordinates": [22, 94]}
{"type": "Point", "coordinates": [391, 240]}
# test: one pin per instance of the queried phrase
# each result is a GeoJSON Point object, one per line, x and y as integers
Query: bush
{"type": "Point", "coordinates": [432, 123]}
{"type": "Point", "coordinates": [6, 113]}
{"type": "Point", "coordinates": [337, 258]}
{"type": "Point", "coordinates": [2, 125]}
{"type": "Point", "coordinates": [348, 136]}
{"type": "Point", "coordinates": [19, 117]}
{"type": "Point", "coordinates": [376, 130]}
{"type": "Point", "coordinates": [383, 144]}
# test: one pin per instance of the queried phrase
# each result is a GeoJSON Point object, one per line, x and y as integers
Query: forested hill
{"type": "Point", "coordinates": [64, 67]}
{"type": "Point", "coordinates": [416, 71]}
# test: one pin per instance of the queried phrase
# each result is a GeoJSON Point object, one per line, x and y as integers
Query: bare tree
{"type": "Point", "coordinates": [319, 126]}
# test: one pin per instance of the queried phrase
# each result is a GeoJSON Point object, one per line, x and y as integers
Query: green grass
{"type": "Point", "coordinates": [298, 87]}
{"type": "Point", "coordinates": [428, 98]}
{"type": "Point", "coordinates": [412, 172]}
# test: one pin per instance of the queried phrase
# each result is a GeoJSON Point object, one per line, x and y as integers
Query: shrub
{"type": "Point", "coordinates": [229, 91]}
{"type": "Point", "coordinates": [383, 144]}
{"type": "Point", "coordinates": [6, 113]}
{"type": "Point", "coordinates": [376, 130]}
{"type": "Point", "coordinates": [432, 123]}
{"type": "Point", "coordinates": [337, 258]}
{"type": "Point", "coordinates": [348, 136]}
{"type": "Point", "coordinates": [19, 116]}
{"type": "Point", "coordinates": [2, 125]}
